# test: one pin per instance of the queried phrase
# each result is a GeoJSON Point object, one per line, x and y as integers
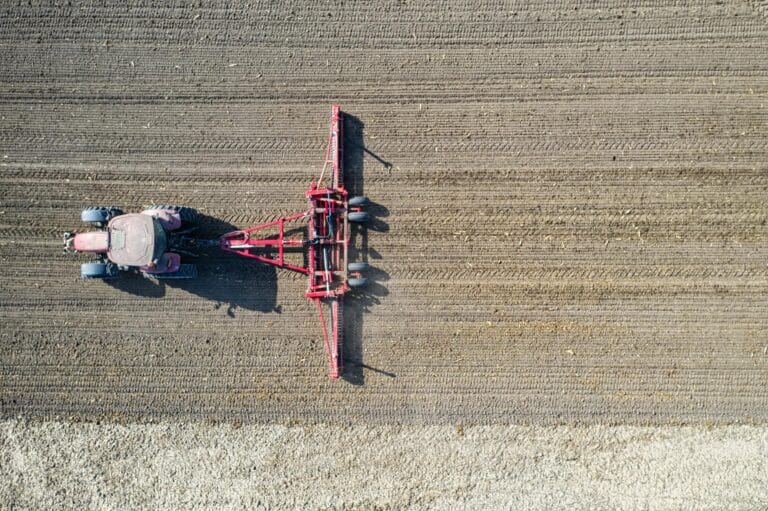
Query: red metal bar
{"type": "Point", "coordinates": [241, 242]}
{"type": "Point", "coordinates": [270, 260]}
{"type": "Point", "coordinates": [259, 227]}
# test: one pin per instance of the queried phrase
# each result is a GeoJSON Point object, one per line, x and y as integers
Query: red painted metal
{"type": "Point", "coordinates": [325, 243]}
{"type": "Point", "coordinates": [168, 218]}
{"type": "Point", "coordinates": [242, 242]}
{"type": "Point", "coordinates": [170, 262]}
{"type": "Point", "coordinates": [94, 241]}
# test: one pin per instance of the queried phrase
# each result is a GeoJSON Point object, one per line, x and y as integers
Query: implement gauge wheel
{"type": "Point", "coordinates": [359, 202]}
{"type": "Point", "coordinates": [357, 267]}
{"type": "Point", "coordinates": [359, 217]}
{"type": "Point", "coordinates": [357, 282]}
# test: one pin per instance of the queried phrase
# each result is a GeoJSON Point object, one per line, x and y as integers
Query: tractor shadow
{"type": "Point", "coordinates": [229, 281]}
{"type": "Point", "coordinates": [360, 301]}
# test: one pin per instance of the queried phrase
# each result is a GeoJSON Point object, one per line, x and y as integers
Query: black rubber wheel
{"type": "Point", "coordinates": [357, 267]}
{"type": "Point", "coordinates": [357, 282]}
{"type": "Point", "coordinates": [188, 215]}
{"type": "Point", "coordinates": [99, 216]}
{"type": "Point", "coordinates": [186, 271]}
{"type": "Point", "coordinates": [359, 202]}
{"type": "Point", "coordinates": [98, 271]}
{"type": "Point", "coordinates": [359, 217]}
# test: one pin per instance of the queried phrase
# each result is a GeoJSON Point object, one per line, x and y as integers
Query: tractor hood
{"type": "Point", "coordinates": [93, 241]}
{"type": "Point", "coordinates": [135, 240]}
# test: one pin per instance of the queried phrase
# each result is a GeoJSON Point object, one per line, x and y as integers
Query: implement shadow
{"type": "Point", "coordinates": [225, 279]}
{"type": "Point", "coordinates": [361, 300]}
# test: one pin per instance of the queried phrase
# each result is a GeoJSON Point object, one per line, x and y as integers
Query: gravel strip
{"type": "Point", "coordinates": [58, 465]}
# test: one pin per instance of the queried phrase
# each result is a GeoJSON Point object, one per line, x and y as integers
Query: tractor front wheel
{"type": "Point", "coordinates": [99, 216]}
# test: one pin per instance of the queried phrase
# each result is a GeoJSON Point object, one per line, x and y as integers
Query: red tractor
{"type": "Point", "coordinates": [151, 242]}
{"type": "Point", "coordinates": [144, 242]}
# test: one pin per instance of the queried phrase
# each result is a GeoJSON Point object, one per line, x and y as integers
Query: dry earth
{"type": "Point", "coordinates": [193, 466]}
{"type": "Point", "coordinates": [572, 204]}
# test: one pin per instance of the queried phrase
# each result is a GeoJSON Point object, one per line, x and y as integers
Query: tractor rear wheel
{"type": "Point", "coordinates": [357, 282]}
{"type": "Point", "coordinates": [185, 271]}
{"type": "Point", "coordinates": [98, 270]}
{"type": "Point", "coordinates": [188, 215]}
{"type": "Point", "coordinates": [99, 216]}
{"type": "Point", "coordinates": [359, 202]}
{"type": "Point", "coordinates": [357, 267]}
{"type": "Point", "coordinates": [359, 217]}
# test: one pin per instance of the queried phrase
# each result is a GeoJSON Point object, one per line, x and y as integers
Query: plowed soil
{"type": "Point", "coordinates": [571, 204]}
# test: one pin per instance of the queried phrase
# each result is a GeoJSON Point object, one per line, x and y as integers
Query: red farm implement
{"type": "Point", "coordinates": [326, 243]}
{"type": "Point", "coordinates": [151, 243]}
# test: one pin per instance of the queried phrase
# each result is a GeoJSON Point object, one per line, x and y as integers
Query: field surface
{"type": "Point", "coordinates": [571, 203]}
{"type": "Point", "coordinates": [57, 465]}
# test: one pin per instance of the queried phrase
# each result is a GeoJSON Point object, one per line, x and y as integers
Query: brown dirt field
{"type": "Point", "coordinates": [572, 206]}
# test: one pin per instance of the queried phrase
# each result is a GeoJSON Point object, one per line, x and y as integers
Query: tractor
{"type": "Point", "coordinates": [146, 242]}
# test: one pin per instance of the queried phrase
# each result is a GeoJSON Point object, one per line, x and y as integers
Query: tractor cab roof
{"type": "Point", "coordinates": [135, 240]}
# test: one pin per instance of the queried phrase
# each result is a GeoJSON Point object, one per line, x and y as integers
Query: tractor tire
{"type": "Point", "coordinates": [186, 271]}
{"type": "Point", "coordinates": [357, 267]}
{"type": "Point", "coordinates": [359, 217]}
{"type": "Point", "coordinates": [90, 271]}
{"type": "Point", "coordinates": [359, 202]}
{"type": "Point", "coordinates": [357, 282]}
{"type": "Point", "coordinates": [99, 216]}
{"type": "Point", "coordinates": [188, 215]}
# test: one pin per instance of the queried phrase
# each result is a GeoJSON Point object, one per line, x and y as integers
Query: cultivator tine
{"type": "Point", "coordinates": [335, 147]}
{"type": "Point", "coordinates": [337, 337]}
{"type": "Point", "coordinates": [332, 336]}
{"type": "Point", "coordinates": [333, 150]}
